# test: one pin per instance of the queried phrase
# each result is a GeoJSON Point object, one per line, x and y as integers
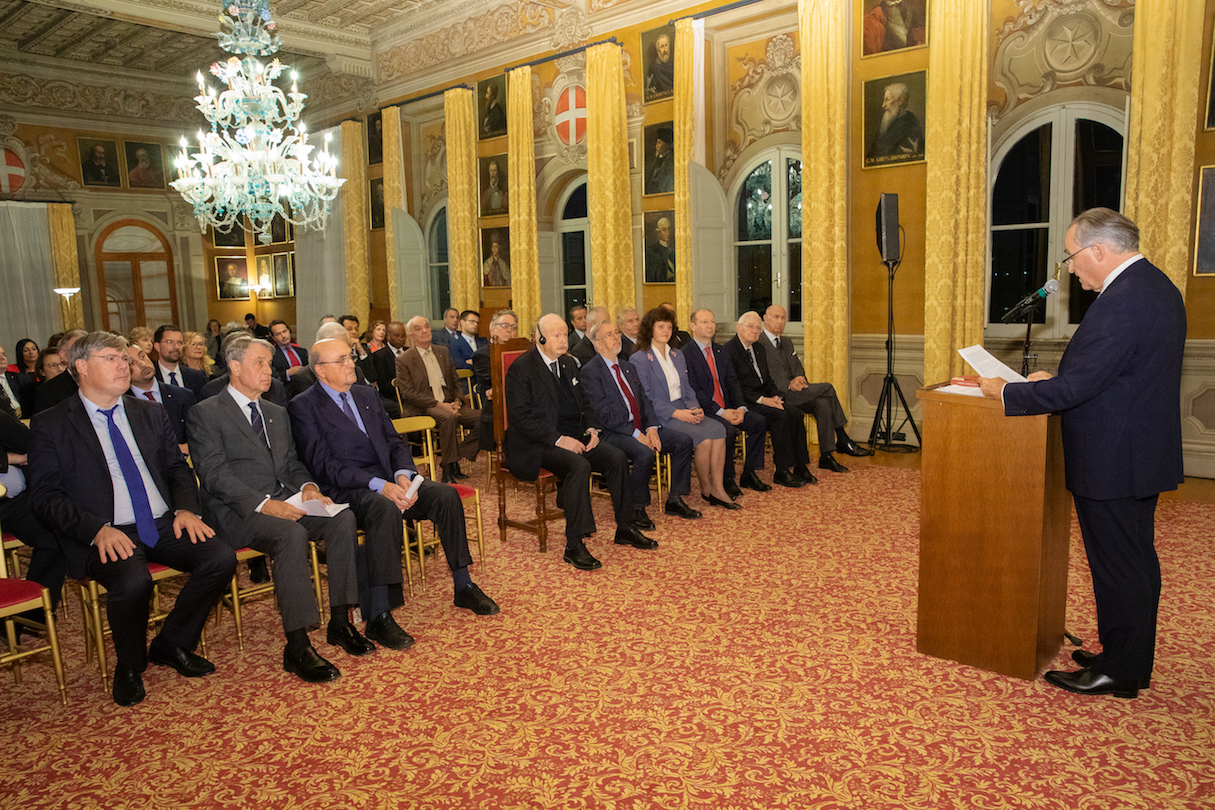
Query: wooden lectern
{"type": "Point", "coordinates": [995, 521]}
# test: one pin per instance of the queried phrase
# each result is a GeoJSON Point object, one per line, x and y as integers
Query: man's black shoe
{"type": "Point", "coordinates": [1087, 682]}
{"type": "Point", "coordinates": [581, 559]}
{"type": "Point", "coordinates": [258, 571]}
{"type": "Point", "coordinates": [787, 479]}
{"type": "Point", "coordinates": [803, 472]}
{"type": "Point", "coordinates": [384, 630]}
{"type": "Point", "coordinates": [1085, 659]}
{"type": "Point", "coordinates": [128, 686]}
{"type": "Point", "coordinates": [344, 635]}
{"type": "Point", "coordinates": [732, 489]}
{"type": "Point", "coordinates": [474, 599]}
{"type": "Point", "coordinates": [752, 481]}
{"type": "Point", "coordinates": [677, 507]}
{"type": "Point", "coordinates": [448, 476]}
{"type": "Point", "coordinates": [642, 521]}
{"type": "Point", "coordinates": [457, 473]}
{"type": "Point", "coordinates": [851, 448]}
{"type": "Point", "coordinates": [307, 663]}
{"type": "Point", "coordinates": [633, 537]}
{"type": "Point", "coordinates": [166, 654]}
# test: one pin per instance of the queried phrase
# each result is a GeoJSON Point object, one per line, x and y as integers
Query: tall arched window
{"type": "Point", "coordinates": [134, 273]}
{"type": "Point", "coordinates": [768, 234]}
{"type": "Point", "coordinates": [439, 264]}
{"type": "Point", "coordinates": [574, 231]}
{"type": "Point", "coordinates": [1056, 164]}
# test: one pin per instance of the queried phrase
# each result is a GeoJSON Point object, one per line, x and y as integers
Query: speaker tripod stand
{"type": "Point", "coordinates": [884, 435]}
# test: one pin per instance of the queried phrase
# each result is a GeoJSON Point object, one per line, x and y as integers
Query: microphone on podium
{"type": "Point", "coordinates": [1030, 301]}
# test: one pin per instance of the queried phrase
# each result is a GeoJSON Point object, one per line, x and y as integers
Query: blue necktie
{"type": "Point", "coordinates": [259, 427]}
{"type": "Point", "coordinates": [346, 409]}
{"type": "Point", "coordinates": [173, 378]}
{"type": "Point", "coordinates": [145, 523]}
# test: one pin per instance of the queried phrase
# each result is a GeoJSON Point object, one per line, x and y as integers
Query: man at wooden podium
{"type": "Point", "coordinates": [1118, 389]}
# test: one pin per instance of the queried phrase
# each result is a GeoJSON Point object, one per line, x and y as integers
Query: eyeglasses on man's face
{"type": "Point", "coordinates": [350, 358]}
{"type": "Point", "coordinates": [1066, 260]}
{"type": "Point", "coordinates": [112, 358]}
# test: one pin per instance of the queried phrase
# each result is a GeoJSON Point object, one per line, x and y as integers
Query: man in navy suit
{"type": "Point", "coordinates": [721, 398]}
{"type": "Point", "coordinates": [348, 442]}
{"type": "Point", "coordinates": [168, 344]}
{"type": "Point", "coordinates": [546, 429]}
{"type": "Point", "coordinates": [144, 385]}
{"type": "Point", "coordinates": [451, 328]}
{"type": "Point", "coordinates": [466, 343]}
{"type": "Point", "coordinates": [617, 405]}
{"type": "Point", "coordinates": [106, 475]}
{"type": "Point", "coordinates": [289, 357]}
{"type": "Point", "coordinates": [1119, 391]}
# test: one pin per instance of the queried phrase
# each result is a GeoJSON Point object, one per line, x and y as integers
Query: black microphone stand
{"type": "Point", "coordinates": [884, 428]}
{"type": "Point", "coordinates": [1030, 311]}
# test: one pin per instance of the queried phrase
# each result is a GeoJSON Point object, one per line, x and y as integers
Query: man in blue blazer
{"type": "Point", "coordinates": [617, 405]}
{"type": "Point", "coordinates": [348, 442]}
{"type": "Point", "coordinates": [144, 385]}
{"type": "Point", "coordinates": [466, 343]}
{"type": "Point", "coordinates": [446, 335]}
{"type": "Point", "coordinates": [1118, 389]}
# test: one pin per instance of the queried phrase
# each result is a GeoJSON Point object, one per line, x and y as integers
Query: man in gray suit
{"type": "Point", "coordinates": [817, 399]}
{"type": "Point", "coordinates": [245, 458]}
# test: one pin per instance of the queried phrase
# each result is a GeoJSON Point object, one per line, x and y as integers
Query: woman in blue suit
{"type": "Point", "coordinates": [664, 376]}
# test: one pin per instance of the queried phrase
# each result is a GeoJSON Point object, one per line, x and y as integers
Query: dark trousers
{"type": "Point", "coordinates": [574, 472]}
{"type": "Point", "coordinates": [788, 429]}
{"type": "Point", "coordinates": [679, 447]}
{"type": "Point", "coordinates": [210, 565]}
{"type": "Point", "coordinates": [820, 401]}
{"type": "Point", "coordinates": [378, 560]}
{"type": "Point", "coordinates": [441, 505]}
{"type": "Point", "coordinates": [755, 426]}
{"type": "Point", "coordinates": [1119, 539]}
{"type": "Point", "coordinates": [47, 567]}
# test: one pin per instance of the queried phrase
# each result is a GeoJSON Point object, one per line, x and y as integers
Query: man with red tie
{"type": "Point", "coordinates": [289, 358]}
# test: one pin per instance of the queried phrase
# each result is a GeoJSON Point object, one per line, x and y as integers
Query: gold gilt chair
{"type": "Point", "coordinates": [16, 597]}
{"type": "Point", "coordinates": [501, 357]}
{"type": "Point", "coordinates": [236, 595]}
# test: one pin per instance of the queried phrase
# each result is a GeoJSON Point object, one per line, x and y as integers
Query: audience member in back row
{"type": "Point", "coordinates": [194, 354]}
{"type": "Point", "coordinates": [142, 337]}
{"type": "Point", "coordinates": [168, 343]}
{"type": "Point", "coordinates": [289, 358]}
{"type": "Point", "coordinates": [52, 392]}
{"type": "Point", "coordinates": [23, 372]}
{"type": "Point", "coordinates": [177, 400]}
{"type": "Point", "coordinates": [50, 365]}
{"type": "Point", "coordinates": [466, 344]}
{"type": "Point", "coordinates": [583, 349]}
{"type": "Point", "coordinates": [629, 323]}
{"type": "Point", "coordinates": [503, 326]}
{"type": "Point", "coordinates": [107, 475]}
{"type": "Point", "coordinates": [10, 389]}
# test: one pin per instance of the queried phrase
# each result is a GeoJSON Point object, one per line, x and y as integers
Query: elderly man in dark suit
{"type": "Point", "coordinates": [759, 393]}
{"type": "Point", "coordinates": [817, 399]}
{"type": "Point", "coordinates": [583, 350]}
{"type": "Point", "coordinates": [546, 429]}
{"type": "Point", "coordinates": [247, 464]}
{"type": "Point", "coordinates": [347, 440]}
{"type": "Point", "coordinates": [711, 375]}
{"type": "Point", "coordinates": [1118, 389]}
{"type": "Point", "coordinates": [450, 330]}
{"type": "Point", "coordinates": [175, 399]}
{"type": "Point", "coordinates": [106, 474]}
{"type": "Point", "coordinates": [616, 404]}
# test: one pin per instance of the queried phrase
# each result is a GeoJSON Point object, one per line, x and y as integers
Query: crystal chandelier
{"type": "Point", "coordinates": [255, 162]}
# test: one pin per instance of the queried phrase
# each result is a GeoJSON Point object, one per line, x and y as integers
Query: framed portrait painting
{"type": "Point", "coordinates": [495, 252]}
{"type": "Point", "coordinates": [491, 107]}
{"type": "Point", "coordinates": [265, 273]}
{"type": "Point", "coordinates": [495, 198]}
{"type": "Point", "coordinates": [659, 151]}
{"type": "Point", "coordinates": [660, 247]}
{"type": "Point", "coordinates": [893, 25]}
{"type": "Point", "coordinates": [375, 138]}
{"type": "Point", "coordinates": [376, 197]}
{"type": "Point", "coordinates": [1204, 229]}
{"type": "Point", "coordinates": [894, 109]}
{"type": "Point", "coordinates": [283, 277]}
{"type": "Point", "coordinates": [658, 63]}
{"type": "Point", "coordinates": [145, 165]}
{"type": "Point", "coordinates": [99, 162]}
{"type": "Point", "coordinates": [231, 278]}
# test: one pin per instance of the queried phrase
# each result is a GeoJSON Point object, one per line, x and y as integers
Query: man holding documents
{"type": "Point", "coordinates": [246, 463]}
{"type": "Point", "coordinates": [348, 442]}
{"type": "Point", "coordinates": [1118, 389]}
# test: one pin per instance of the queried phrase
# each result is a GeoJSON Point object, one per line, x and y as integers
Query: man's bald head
{"type": "Point", "coordinates": [332, 363]}
{"type": "Point", "coordinates": [775, 319]}
{"type": "Point", "coordinates": [555, 333]}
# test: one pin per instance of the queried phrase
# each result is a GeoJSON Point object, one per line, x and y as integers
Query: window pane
{"type": "Point", "coordinates": [120, 296]}
{"type": "Point", "coordinates": [154, 280]}
{"type": "Point", "coordinates": [794, 169]}
{"type": "Point", "coordinates": [574, 296]}
{"type": "Point", "coordinates": [755, 205]}
{"type": "Point", "coordinates": [1098, 178]}
{"type": "Point", "coordinates": [1022, 191]}
{"type": "Point", "coordinates": [754, 278]}
{"type": "Point", "coordinates": [1018, 267]}
{"type": "Point", "coordinates": [795, 281]}
{"type": "Point", "coordinates": [575, 206]}
{"type": "Point", "coordinates": [440, 285]}
{"type": "Point", "coordinates": [156, 313]}
{"type": "Point", "coordinates": [438, 238]}
{"type": "Point", "coordinates": [573, 259]}
{"type": "Point", "coordinates": [132, 239]}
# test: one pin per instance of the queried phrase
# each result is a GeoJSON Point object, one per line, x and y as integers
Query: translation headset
{"type": "Point", "coordinates": [541, 340]}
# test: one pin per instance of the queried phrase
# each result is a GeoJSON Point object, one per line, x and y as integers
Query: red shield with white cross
{"type": "Point", "coordinates": [571, 115]}
{"type": "Point", "coordinates": [12, 172]}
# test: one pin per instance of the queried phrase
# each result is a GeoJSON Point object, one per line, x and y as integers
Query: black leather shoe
{"type": "Point", "coordinates": [128, 686]}
{"type": "Point", "coordinates": [448, 476]}
{"type": "Point", "coordinates": [307, 663]}
{"type": "Point", "coordinates": [751, 481]}
{"type": "Point", "coordinates": [258, 571]}
{"type": "Point", "coordinates": [344, 635]}
{"type": "Point", "coordinates": [457, 473]}
{"type": "Point", "coordinates": [474, 599]}
{"type": "Point", "coordinates": [384, 630]}
{"type": "Point", "coordinates": [633, 537]}
{"type": "Point", "coordinates": [803, 472]}
{"type": "Point", "coordinates": [581, 559]}
{"type": "Point", "coordinates": [677, 507]}
{"type": "Point", "coordinates": [642, 520]}
{"type": "Point", "coordinates": [1085, 659]}
{"type": "Point", "coordinates": [165, 654]}
{"type": "Point", "coordinates": [828, 462]}
{"type": "Point", "coordinates": [732, 489]}
{"type": "Point", "coordinates": [851, 448]}
{"type": "Point", "coordinates": [1087, 682]}
{"type": "Point", "coordinates": [787, 479]}
{"type": "Point", "coordinates": [715, 501]}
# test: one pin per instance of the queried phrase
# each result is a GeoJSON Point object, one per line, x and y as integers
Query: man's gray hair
{"type": "Point", "coordinates": [331, 330]}
{"type": "Point", "coordinates": [593, 329]}
{"type": "Point", "coordinates": [91, 343]}
{"type": "Point", "coordinates": [620, 315]}
{"type": "Point", "coordinates": [73, 334]}
{"type": "Point", "coordinates": [1103, 226]}
{"type": "Point", "coordinates": [500, 314]}
{"type": "Point", "coordinates": [597, 315]}
{"type": "Point", "coordinates": [237, 345]}
{"type": "Point", "coordinates": [743, 317]}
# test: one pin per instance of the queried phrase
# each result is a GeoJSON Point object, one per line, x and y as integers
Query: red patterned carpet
{"type": "Point", "coordinates": [758, 659]}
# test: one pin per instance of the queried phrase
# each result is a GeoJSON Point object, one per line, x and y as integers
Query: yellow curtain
{"type": "Point", "coordinates": [521, 181]}
{"type": "Point", "coordinates": [463, 240]}
{"type": "Point", "coordinates": [685, 113]}
{"type": "Point", "coordinates": [607, 179]}
{"type": "Point", "coordinates": [66, 262]}
{"type": "Point", "coordinates": [394, 197]}
{"type": "Point", "coordinates": [955, 135]}
{"type": "Point", "coordinates": [826, 306]}
{"type": "Point", "coordinates": [355, 224]}
{"type": "Point", "coordinates": [1160, 147]}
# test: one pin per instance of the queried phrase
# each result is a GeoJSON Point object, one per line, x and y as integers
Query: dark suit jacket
{"type": "Point", "coordinates": [50, 393]}
{"type": "Point", "coordinates": [23, 386]}
{"type": "Point", "coordinates": [752, 387]}
{"type": "Point", "coordinates": [701, 379]}
{"type": "Point", "coordinates": [334, 449]}
{"type": "Point", "coordinates": [236, 469]}
{"type": "Point", "coordinates": [627, 344]}
{"type": "Point", "coordinates": [583, 350]}
{"type": "Point", "coordinates": [384, 361]}
{"type": "Point", "coordinates": [14, 438]}
{"type": "Point", "coordinates": [532, 408]}
{"type": "Point", "coordinates": [191, 378]}
{"type": "Point", "coordinates": [177, 401]}
{"type": "Point", "coordinates": [414, 383]}
{"type": "Point", "coordinates": [461, 354]}
{"type": "Point", "coordinates": [605, 407]}
{"type": "Point", "coordinates": [784, 363]}
{"type": "Point", "coordinates": [278, 394]}
{"type": "Point", "coordinates": [441, 337]}
{"type": "Point", "coordinates": [1119, 390]}
{"type": "Point", "coordinates": [69, 480]}
{"type": "Point", "coordinates": [279, 362]}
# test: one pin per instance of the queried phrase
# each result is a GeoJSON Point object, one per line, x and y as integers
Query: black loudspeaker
{"type": "Point", "coordinates": [888, 227]}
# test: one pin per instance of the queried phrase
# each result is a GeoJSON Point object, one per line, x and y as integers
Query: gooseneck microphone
{"type": "Point", "coordinates": [1032, 300]}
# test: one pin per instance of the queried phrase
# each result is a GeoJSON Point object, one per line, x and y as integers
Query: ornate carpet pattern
{"type": "Point", "coordinates": [758, 659]}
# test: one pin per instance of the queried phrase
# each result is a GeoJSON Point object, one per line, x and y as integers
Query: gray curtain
{"type": "Point", "coordinates": [28, 306]}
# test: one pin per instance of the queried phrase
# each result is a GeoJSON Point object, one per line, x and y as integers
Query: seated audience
{"type": "Point", "coordinates": [385, 363]}
{"type": "Point", "coordinates": [583, 349]}
{"type": "Point", "coordinates": [466, 344]}
{"type": "Point", "coordinates": [25, 372]}
{"type": "Point", "coordinates": [576, 321]}
{"type": "Point", "coordinates": [194, 354]}
{"type": "Point", "coordinates": [628, 322]}
{"type": "Point", "coordinates": [175, 399]}
{"type": "Point", "coordinates": [168, 342]}
{"type": "Point", "coordinates": [256, 329]}
{"type": "Point", "coordinates": [375, 335]}
{"type": "Point", "coordinates": [212, 335]}
{"type": "Point", "coordinates": [362, 357]}
{"type": "Point", "coordinates": [142, 337]}
{"type": "Point", "coordinates": [451, 328]}
{"type": "Point", "coordinates": [11, 389]}
{"type": "Point", "coordinates": [50, 365]}
{"type": "Point", "coordinates": [52, 392]}
{"type": "Point", "coordinates": [503, 326]}
{"type": "Point", "coordinates": [290, 358]}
